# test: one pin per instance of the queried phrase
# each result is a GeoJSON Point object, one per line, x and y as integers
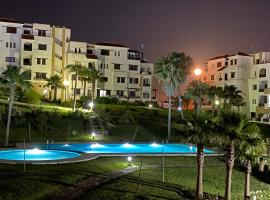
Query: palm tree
{"type": "Point", "coordinates": [85, 75]}
{"type": "Point", "coordinates": [200, 126]}
{"type": "Point", "coordinates": [74, 68]}
{"type": "Point", "coordinates": [214, 92]}
{"type": "Point", "coordinates": [238, 102]}
{"type": "Point", "coordinates": [54, 82]}
{"type": "Point", "coordinates": [95, 75]}
{"type": "Point", "coordinates": [197, 91]}
{"type": "Point", "coordinates": [251, 150]}
{"type": "Point", "coordinates": [230, 94]}
{"type": "Point", "coordinates": [181, 63]}
{"type": "Point", "coordinates": [13, 77]}
{"type": "Point", "coordinates": [230, 124]}
{"type": "Point", "coordinates": [165, 72]}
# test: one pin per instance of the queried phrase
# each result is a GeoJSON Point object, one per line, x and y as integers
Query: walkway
{"type": "Point", "coordinates": [73, 192]}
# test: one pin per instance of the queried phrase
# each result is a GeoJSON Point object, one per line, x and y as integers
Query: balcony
{"type": "Point", "coordinates": [263, 89]}
{"type": "Point", "coordinates": [262, 109]}
{"type": "Point", "coordinates": [40, 78]}
{"type": "Point", "coordinates": [146, 85]}
{"type": "Point", "coordinates": [266, 90]}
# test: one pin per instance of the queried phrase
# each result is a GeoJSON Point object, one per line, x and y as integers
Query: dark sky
{"type": "Point", "coordinates": [200, 28]}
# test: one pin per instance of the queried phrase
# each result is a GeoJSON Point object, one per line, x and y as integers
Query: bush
{"type": "Point", "coordinates": [107, 100]}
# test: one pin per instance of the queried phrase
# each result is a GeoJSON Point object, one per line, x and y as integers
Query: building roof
{"type": "Point", "coordinates": [110, 44]}
{"type": "Point", "coordinates": [27, 37]}
{"type": "Point", "coordinates": [220, 69]}
{"type": "Point", "coordinates": [8, 20]}
{"type": "Point", "coordinates": [226, 56]}
{"type": "Point", "coordinates": [90, 56]}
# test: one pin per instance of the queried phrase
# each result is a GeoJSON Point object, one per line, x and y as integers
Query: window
{"type": "Point", "coordinates": [11, 29]}
{"type": "Point", "coordinates": [254, 87]}
{"type": "Point", "coordinates": [42, 47]}
{"type": "Point", "coordinates": [232, 74]}
{"type": "Point", "coordinates": [225, 76]}
{"type": "Point", "coordinates": [120, 93]}
{"type": "Point", "coordinates": [146, 82]}
{"type": "Point", "coordinates": [206, 68]}
{"type": "Point", "coordinates": [89, 51]}
{"type": "Point", "coordinates": [219, 64]}
{"type": "Point", "coordinates": [257, 61]}
{"type": "Point", "coordinates": [77, 91]}
{"type": "Point", "coordinates": [40, 75]}
{"type": "Point", "coordinates": [117, 66]}
{"type": "Point", "coordinates": [27, 32]}
{"type": "Point", "coordinates": [235, 61]}
{"type": "Point", "coordinates": [27, 61]}
{"type": "Point", "coordinates": [254, 101]}
{"type": "Point", "coordinates": [10, 59]}
{"type": "Point", "coordinates": [90, 65]}
{"type": "Point", "coordinates": [102, 93]}
{"type": "Point", "coordinates": [133, 67]}
{"type": "Point", "coordinates": [14, 45]}
{"type": "Point", "coordinates": [212, 77]}
{"type": "Point", "coordinates": [7, 44]}
{"type": "Point", "coordinates": [104, 52]}
{"type": "Point", "coordinates": [146, 95]}
{"type": "Point", "coordinates": [132, 93]}
{"type": "Point", "coordinates": [41, 61]}
{"type": "Point", "coordinates": [120, 79]}
{"type": "Point", "coordinates": [262, 72]}
{"type": "Point", "coordinates": [75, 50]}
{"type": "Point", "coordinates": [136, 80]}
{"type": "Point", "coordinates": [42, 33]}
{"type": "Point", "coordinates": [105, 79]}
{"type": "Point", "coordinates": [231, 62]}
{"type": "Point", "coordinates": [27, 47]}
{"type": "Point", "coordinates": [118, 53]}
{"type": "Point", "coordinates": [73, 77]}
{"type": "Point", "coordinates": [79, 50]}
{"type": "Point", "coordinates": [77, 63]}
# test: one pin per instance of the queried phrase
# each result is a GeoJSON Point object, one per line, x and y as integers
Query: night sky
{"type": "Point", "coordinates": [200, 28]}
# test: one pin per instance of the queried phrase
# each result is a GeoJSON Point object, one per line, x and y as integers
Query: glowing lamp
{"type": "Point", "coordinates": [197, 71]}
{"type": "Point", "coordinates": [150, 106]}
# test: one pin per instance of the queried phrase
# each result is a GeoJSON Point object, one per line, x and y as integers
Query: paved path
{"type": "Point", "coordinates": [73, 192]}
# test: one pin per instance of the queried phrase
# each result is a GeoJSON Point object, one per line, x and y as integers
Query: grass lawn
{"type": "Point", "coordinates": [148, 183]}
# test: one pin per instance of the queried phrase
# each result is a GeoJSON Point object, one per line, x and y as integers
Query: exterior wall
{"type": "Point", "coordinates": [46, 50]}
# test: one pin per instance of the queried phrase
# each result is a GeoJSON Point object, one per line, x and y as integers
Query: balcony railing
{"type": "Point", "coordinates": [262, 89]}
{"type": "Point", "coordinates": [39, 78]}
{"type": "Point", "coordinates": [147, 85]}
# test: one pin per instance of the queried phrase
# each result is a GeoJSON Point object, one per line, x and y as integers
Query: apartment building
{"type": "Point", "coordinates": [230, 70]}
{"type": "Point", "coordinates": [46, 50]}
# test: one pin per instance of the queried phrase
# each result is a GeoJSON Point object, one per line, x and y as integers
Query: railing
{"type": "Point", "coordinates": [147, 85]}
{"type": "Point", "coordinates": [39, 78]}
{"type": "Point", "coordinates": [57, 56]}
{"type": "Point", "coordinates": [59, 42]}
{"type": "Point", "coordinates": [262, 89]}
{"type": "Point", "coordinates": [262, 75]}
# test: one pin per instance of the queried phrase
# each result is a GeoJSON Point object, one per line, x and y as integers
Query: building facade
{"type": "Point", "coordinates": [46, 50]}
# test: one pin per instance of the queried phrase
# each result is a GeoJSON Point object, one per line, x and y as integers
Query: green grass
{"type": "Point", "coordinates": [180, 176]}
{"type": "Point", "coordinates": [45, 180]}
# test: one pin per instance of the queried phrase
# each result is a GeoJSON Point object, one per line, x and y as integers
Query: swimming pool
{"type": "Point", "coordinates": [36, 155]}
{"type": "Point", "coordinates": [126, 148]}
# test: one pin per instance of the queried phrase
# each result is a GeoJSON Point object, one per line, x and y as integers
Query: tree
{"type": "Point", "coordinates": [74, 68]}
{"type": "Point", "coordinates": [85, 75]}
{"type": "Point", "coordinates": [181, 63]}
{"type": "Point", "coordinates": [230, 124]}
{"type": "Point", "coordinates": [197, 91]}
{"type": "Point", "coordinates": [13, 77]}
{"type": "Point", "coordinates": [238, 102]}
{"type": "Point", "coordinates": [230, 94]}
{"type": "Point", "coordinates": [214, 92]}
{"type": "Point", "coordinates": [95, 75]}
{"type": "Point", "coordinates": [54, 82]}
{"type": "Point", "coordinates": [250, 151]}
{"type": "Point", "coordinates": [165, 70]}
{"type": "Point", "coordinates": [201, 126]}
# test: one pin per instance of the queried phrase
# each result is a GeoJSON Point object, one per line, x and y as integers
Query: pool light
{"type": "Point", "coordinates": [154, 145]}
{"type": "Point", "coordinates": [190, 147]}
{"type": "Point", "coordinates": [35, 151]}
{"type": "Point", "coordinates": [129, 159]}
{"type": "Point", "coordinates": [66, 145]}
{"type": "Point", "coordinates": [127, 145]}
{"type": "Point", "coordinates": [96, 145]}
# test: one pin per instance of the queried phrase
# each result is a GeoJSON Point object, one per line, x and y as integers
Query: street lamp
{"type": "Point", "coordinates": [150, 106]}
{"type": "Point", "coordinates": [91, 105]}
{"type": "Point", "coordinates": [197, 71]}
{"type": "Point", "coordinates": [65, 83]}
{"type": "Point", "coordinates": [217, 102]}
{"type": "Point", "coordinates": [129, 158]}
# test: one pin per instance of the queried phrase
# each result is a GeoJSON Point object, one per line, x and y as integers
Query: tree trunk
{"type": "Point", "coordinates": [247, 181]}
{"type": "Point", "coordinates": [180, 103]}
{"type": "Point", "coordinates": [10, 105]}
{"type": "Point", "coordinates": [55, 93]}
{"type": "Point", "coordinates": [93, 89]}
{"type": "Point", "coordinates": [169, 116]}
{"type": "Point", "coordinates": [229, 167]}
{"type": "Point", "coordinates": [200, 161]}
{"type": "Point", "coordinates": [74, 92]}
{"type": "Point", "coordinates": [84, 87]}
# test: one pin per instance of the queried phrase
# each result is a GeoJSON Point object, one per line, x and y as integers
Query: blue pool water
{"type": "Point", "coordinates": [36, 154]}
{"type": "Point", "coordinates": [126, 148]}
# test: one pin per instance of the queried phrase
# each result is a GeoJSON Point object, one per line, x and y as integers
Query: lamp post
{"type": "Point", "coordinates": [65, 83]}
{"type": "Point", "coordinates": [197, 72]}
